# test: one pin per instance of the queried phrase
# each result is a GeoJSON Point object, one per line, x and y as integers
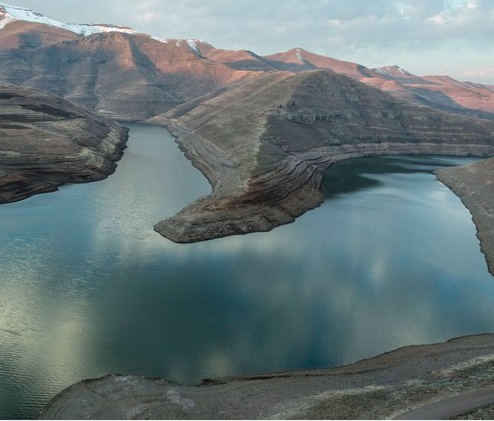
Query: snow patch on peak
{"type": "Point", "coordinates": [393, 71]}
{"type": "Point", "coordinates": [193, 46]}
{"type": "Point", "coordinates": [14, 13]}
{"type": "Point", "coordinates": [298, 53]}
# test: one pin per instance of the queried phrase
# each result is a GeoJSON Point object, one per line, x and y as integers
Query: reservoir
{"type": "Point", "coordinates": [88, 288]}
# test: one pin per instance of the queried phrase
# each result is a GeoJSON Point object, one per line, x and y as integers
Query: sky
{"type": "Point", "coordinates": [453, 37]}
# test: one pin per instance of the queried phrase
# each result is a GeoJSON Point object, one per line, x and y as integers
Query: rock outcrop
{"type": "Point", "coordinates": [474, 184]}
{"type": "Point", "coordinates": [264, 143]}
{"type": "Point", "coordinates": [382, 387]}
{"type": "Point", "coordinates": [46, 142]}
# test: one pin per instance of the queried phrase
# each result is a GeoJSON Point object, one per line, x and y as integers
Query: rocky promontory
{"type": "Point", "coordinates": [415, 382]}
{"type": "Point", "coordinates": [46, 142]}
{"type": "Point", "coordinates": [264, 143]}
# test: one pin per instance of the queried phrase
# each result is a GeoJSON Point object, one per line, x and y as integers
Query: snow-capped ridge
{"type": "Point", "coordinates": [10, 14]}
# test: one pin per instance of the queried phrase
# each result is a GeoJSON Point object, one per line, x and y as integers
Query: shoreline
{"type": "Point", "coordinates": [474, 185]}
{"type": "Point", "coordinates": [382, 387]}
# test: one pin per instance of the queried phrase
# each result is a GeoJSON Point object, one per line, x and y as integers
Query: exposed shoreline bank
{"type": "Point", "coordinates": [377, 388]}
{"type": "Point", "coordinates": [474, 185]}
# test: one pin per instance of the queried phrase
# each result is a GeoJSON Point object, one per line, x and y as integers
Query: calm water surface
{"type": "Point", "coordinates": [88, 288]}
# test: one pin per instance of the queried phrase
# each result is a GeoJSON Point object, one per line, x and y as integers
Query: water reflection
{"type": "Point", "coordinates": [87, 287]}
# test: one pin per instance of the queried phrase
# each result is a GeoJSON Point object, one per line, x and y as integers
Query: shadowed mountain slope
{"type": "Point", "coordinates": [441, 92]}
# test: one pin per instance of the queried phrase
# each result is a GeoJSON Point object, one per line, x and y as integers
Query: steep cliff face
{"type": "Point", "coordinates": [46, 141]}
{"type": "Point", "coordinates": [263, 145]}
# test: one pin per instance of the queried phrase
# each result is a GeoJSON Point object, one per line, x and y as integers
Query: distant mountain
{"type": "Point", "coordinates": [440, 92]}
{"type": "Point", "coordinates": [298, 59]}
{"type": "Point", "coordinates": [126, 75]}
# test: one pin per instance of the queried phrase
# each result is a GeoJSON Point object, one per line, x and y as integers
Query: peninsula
{"type": "Point", "coordinates": [264, 143]}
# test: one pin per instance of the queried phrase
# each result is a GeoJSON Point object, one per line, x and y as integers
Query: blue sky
{"type": "Point", "coordinates": [454, 37]}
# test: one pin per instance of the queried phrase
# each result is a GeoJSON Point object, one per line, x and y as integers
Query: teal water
{"type": "Point", "coordinates": [88, 288]}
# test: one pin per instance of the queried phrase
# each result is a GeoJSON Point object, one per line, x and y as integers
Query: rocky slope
{"type": "Point", "coordinates": [46, 141]}
{"type": "Point", "coordinates": [474, 184]}
{"type": "Point", "coordinates": [264, 143]}
{"type": "Point", "coordinates": [383, 387]}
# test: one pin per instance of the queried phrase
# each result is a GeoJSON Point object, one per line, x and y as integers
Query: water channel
{"type": "Point", "coordinates": [88, 288]}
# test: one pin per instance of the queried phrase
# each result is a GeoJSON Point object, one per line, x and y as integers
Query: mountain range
{"type": "Point", "coordinates": [131, 76]}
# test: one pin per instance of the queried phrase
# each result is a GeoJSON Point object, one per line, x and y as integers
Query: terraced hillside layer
{"type": "Point", "coordinates": [46, 141]}
{"type": "Point", "coordinates": [263, 144]}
